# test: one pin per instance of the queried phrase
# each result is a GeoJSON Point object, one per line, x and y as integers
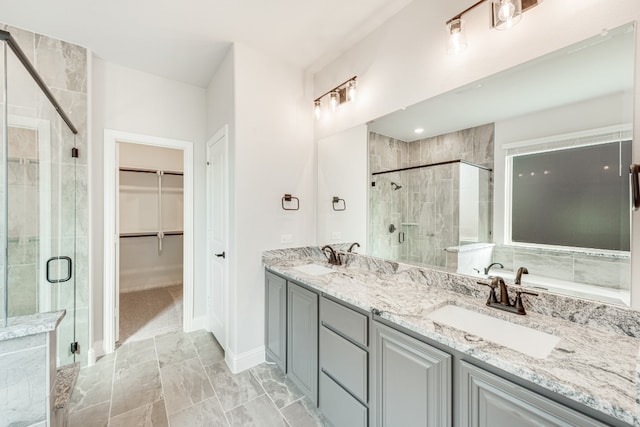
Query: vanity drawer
{"type": "Point", "coordinates": [345, 321]}
{"type": "Point", "coordinates": [345, 362]}
{"type": "Point", "coordinates": [339, 407]}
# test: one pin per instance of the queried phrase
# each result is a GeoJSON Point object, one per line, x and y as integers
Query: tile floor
{"type": "Point", "coordinates": [180, 379]}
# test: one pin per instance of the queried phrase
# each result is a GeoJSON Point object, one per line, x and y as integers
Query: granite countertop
{"type": "Point", "coordinates": [597, 367]}
{"type": "Point", "coordinates": [33, 324]}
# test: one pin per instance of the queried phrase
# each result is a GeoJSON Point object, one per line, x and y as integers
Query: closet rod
{"type": "Point", "coordinates": [150, 234]}
{"type": "Point", "coordinates": [149, 171]}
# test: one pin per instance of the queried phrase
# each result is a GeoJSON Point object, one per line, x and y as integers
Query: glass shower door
{"type": "Point", "coordinates": [40, 211]}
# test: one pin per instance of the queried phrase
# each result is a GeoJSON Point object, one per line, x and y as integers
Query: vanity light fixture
{"type": "Point", "coordinates": [505, 14]}
{"type": "Point", "coordinates": [340, 94]}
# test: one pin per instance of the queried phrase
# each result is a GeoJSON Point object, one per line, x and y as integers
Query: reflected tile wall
{"type": "Point", "coordinates": [610, 271]}
{"type": "Point", "coordinates": [426, 209]}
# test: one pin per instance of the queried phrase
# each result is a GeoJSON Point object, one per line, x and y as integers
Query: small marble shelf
{"type": "Point", "coordinates": [33, 324]}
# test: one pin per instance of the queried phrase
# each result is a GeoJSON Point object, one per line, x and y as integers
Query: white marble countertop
{"type": "Point", "coordinates": [596, 367]}
{"type": "Point", "coordinates": [33, 324]}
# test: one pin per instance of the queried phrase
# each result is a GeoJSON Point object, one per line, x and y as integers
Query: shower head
{"type": "Point", "coordinates": [396, 186]}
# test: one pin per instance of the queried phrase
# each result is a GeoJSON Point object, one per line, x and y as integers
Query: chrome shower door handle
{"type": "Point", "coordinates": [634, 170]}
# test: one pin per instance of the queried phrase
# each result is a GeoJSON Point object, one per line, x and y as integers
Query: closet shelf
{"type": "Point", "coordinates": [151, 233]}
{"type": "Point", "coordinates": [153, 171]}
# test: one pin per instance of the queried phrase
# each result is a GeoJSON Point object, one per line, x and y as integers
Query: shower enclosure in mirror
{"type": "Point", "coordinates": [38, 204]}
{"type": "Point", "coordinates": [429, 214]}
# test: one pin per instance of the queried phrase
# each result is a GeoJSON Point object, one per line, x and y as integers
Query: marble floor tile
{"type": "Point", "coordinates": [135, 386]}
{"type": "Point", "coordinates": [280, 389]}
{"type": "Point", "coordinates": [136, 352]}
{"type": "Point", "coordinates": [207, 413]}
{"type": "Point", "coordinates": [259, 412]}
{"type": "Point", "coordinates": [94, 416]}
{"type": "Point", "coordinates": [93, 385]}
{"type": "Point", "coordinates": [185, 384]}
{"type": "Point", "coordinates": [151, 415]}
{"type": "Point", "coordinates": [233, 389]}
{"type": "Point", "coordinates": [302, 413]}
{"type": "Point", "coordinates": [207, 347]}
{"type": "Point", "coordinates": [174, 347]}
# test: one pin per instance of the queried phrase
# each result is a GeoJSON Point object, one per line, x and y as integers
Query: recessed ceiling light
{"type": "Point", "coordinates": [418, 130]}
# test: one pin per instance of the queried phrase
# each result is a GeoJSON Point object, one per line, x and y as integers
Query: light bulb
{"type": "Point", "coordinates": [351, 90]}
{"type": "Point", "coordinates": [506, 13]}
{"type": "Point", "coordinates": [334, 100]}
{"type": "Point", "coordinates": [317, 108]}
{"type": "Point", "coordinates": [456, 40]}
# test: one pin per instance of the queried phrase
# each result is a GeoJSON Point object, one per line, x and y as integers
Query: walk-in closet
{"type": "Point", "coordinates": [150, 225]}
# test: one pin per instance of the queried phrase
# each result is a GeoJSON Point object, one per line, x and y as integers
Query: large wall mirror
{"type": "Point", "coordinates": [525, 168]}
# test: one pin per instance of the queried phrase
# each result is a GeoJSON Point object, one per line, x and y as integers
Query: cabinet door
{"type": "Point", "coordinates": [490, 401]}
{"type": "Point", "coordinates": [411, 382]}
{"type": "Point", "coordinates": [276, 320]}
{"type": "Point", "coordinates": [302, 339]}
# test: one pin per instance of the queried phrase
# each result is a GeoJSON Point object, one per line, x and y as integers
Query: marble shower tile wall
{"type": "Point", "coordinates": [63, 67]}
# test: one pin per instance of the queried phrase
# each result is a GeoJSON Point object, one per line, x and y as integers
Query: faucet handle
{"type": "Point", "coordinates": [492, 293]}
{"type": "Point", "coordinates": [518, 302]}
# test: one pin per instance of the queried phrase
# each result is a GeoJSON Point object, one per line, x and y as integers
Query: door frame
{"type": "Point", "coordinates": [221, 136]}
{"type": "Point", "coordinates": [111, 137]}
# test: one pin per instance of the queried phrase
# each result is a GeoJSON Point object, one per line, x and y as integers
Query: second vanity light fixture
{"type": "Point", "coordinates": [342, 93]}
{"type": "Point", "coordinates": [505, 14]}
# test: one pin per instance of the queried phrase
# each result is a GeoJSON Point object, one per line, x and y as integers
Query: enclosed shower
{"type": "Point", "coordinates": [419, 213]}
{"type": "Point", "coordinates": [40, 176]}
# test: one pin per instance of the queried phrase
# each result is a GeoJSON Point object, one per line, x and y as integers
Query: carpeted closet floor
{"type": "Point", "coordinates": [145, 314]}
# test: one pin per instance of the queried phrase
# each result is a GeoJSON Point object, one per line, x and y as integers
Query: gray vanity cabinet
{"type": "Point", "coordinates": [344, 365]}
{"type": "Point", "coordinates": [302, 339]}
{"type": "Point", "coordinates": [487, 400]}
{"type": "Point", "coordinates": [276, 319]}
{"type": "Point", "coordinates": [411, 381]}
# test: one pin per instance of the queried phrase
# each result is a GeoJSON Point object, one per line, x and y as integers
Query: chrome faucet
{"type": "Point", "coordinates": [486, 269]}
{"type": "Point", "coordinates": [519, 273]}
{"type": "Point", "coordinates": [505, 302]}
{"type": "Point", "coordinates": [333, 257]}
{"type": "Point", "coordinates": [354, 244]}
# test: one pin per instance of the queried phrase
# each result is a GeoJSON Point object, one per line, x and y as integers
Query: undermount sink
{"type": "Point", "coordinates": [516, 337]}
{"type": "Point", "coordinates": [314, 269]}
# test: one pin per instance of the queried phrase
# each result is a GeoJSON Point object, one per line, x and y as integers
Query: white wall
{"type": "Point", "coordinates": [342, 172]}
{"type": "Point", "coordinates": [132, 101]}
{"type": "Point", "coordinates": [271, 141]}
{"type": "Point", "coordinates": [149, 157]}
{"type": "Point", "coordinates": [404, 61]}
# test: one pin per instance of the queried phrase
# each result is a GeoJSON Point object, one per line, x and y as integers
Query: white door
{"type": "Point", "coordinates": [217, 235]}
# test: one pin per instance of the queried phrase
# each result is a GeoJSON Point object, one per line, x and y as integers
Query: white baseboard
{"type": "Point", "coordinates": [127, 288]}
{"type": "Point", "coordinates": [244, 361]}
{"type": "Point", "coordinates": [199, 322]}
{"type": "Point", "coordinates": [94, 352]}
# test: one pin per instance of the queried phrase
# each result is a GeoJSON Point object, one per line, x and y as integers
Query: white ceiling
{"type": "Point", "coordinates": [596, 67]}
{"type": "Point", "coordinates": [185, 40]}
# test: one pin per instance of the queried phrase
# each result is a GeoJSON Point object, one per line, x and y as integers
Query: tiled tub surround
{"type": "Point", "coordinates": [28, 369]}
{"type": "Point", "coordinates": [595, 363]}
{"type": "Point", "coordinates": [609, 270]}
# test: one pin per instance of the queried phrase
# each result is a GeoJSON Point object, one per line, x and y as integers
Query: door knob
{"type": "Point", "coordinates": [221, 255]}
